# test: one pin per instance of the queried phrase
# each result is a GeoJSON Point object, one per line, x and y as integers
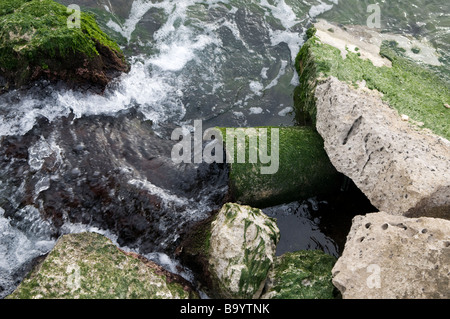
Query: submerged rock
{"type": "Point", "coordinates": [36, 42]}
{"type": "Point", "coordinates": [89, 266]}
{"type": "Point", "coordinates": [300, 167]}
{"type": "Point", "coordinates": [112, 173]}
{"type": "Point", "coordinates": [233, 252]}
{"type": "Point", "coordinates": [390, 256]}
{"type": "Point", "coordinates": [301, 275]}
{"type": "Point", "coordinates": [355, 102]}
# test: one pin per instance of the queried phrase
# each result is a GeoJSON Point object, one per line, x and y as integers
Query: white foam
{"type": "Point", "coordinates": [176, 54]}
{"type": "Point", "coordinates": [282, 12]}
{"type": "Point", "coordinates": [279, 75]}
{"type": "Point", "coordinates": [166, 196]}
{"type": "Point", "coordinates": [171, 265]}
{"type": "Point", "coordinates": [138, 9]}
{"type": "Point", "coordinates": [20, 246]}
{"type": "Point", "coordinates": [294, 40]}
{"type": "Point", "coordinates": [321, 8]}
{"type": "Point", "coordinates": [256, 87]}
{"type": "Point", "coordinates": [256, 110]}
{"type": "Point", "coordinates": [41, 150]}
{"type": "Point", "coordinates": [264, 73]}
{"type": "Point", "coordinates": [285, 111]}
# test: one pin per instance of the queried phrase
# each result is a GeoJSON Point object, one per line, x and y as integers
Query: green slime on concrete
{"type": "Point", "coordinates": [304, 171]}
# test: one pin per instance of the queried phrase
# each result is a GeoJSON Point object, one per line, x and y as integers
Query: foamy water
{"type": "Point", "coordinates": [205, 64]}
{"type": "Point", "coordinates": [190, 65]}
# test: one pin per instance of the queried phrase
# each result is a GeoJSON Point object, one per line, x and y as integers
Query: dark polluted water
{"type": "Point", "coordinates": [74, 161]}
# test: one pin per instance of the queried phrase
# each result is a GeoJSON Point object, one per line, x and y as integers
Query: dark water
{"type": "Point", "coordinates": [73, 161]}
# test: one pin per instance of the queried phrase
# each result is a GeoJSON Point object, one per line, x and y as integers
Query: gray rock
{"type": "Point", "coordinates": [388, 256]}
{"type": "Point", "coordinates": [400, 168]}
{"type": "Point", "coordinates": [242, 250]}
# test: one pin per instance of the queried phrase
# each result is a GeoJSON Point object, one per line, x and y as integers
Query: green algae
{"type": "Point", "coordinates": [257, 264]}
{"type": "Point", "coordinates": [304, 170]}
{"type": "Point", "coordinates": [302, 275]}
{"type": "Point", "coordinates": [407, 87]}
{"type": "Point", "coordinates": [104, 272]}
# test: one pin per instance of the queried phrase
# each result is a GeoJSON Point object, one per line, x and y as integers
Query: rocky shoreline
{"type": "Point", "coordinates": [372, 136]}
{"type": "Point", "coordinates": [383, 138]}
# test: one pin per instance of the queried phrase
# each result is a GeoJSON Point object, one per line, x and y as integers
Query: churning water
{"type": "Point", "coordinates": [75, 161]}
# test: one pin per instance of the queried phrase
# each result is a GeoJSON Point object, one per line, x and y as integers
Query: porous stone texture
{"type": "Point", "coordinates": [89, 266]}
{"type": "Point", "coordinates": [388, 256]}
{"type": "Point", "coordinates": [400, 168]}
{"type": "Point", "coordinates": [303, 274]}
{"type": "Point", "coordinates": [242, 249]}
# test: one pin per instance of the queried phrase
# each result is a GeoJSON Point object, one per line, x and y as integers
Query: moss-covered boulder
{"type": "Point", "coordinates": [382, 117]}
{"type": "Point", "coordinates": [89, 266]}
{"type": "Point", "coordinates": [301, 275]}
{"type": "Point", "coordinates": [360, 57]}
{"type": "Point", "coordinates": [303, 168]}
{"type": "Point", "coordinates": [38, 39]}
{"type": "Point", "coordinates": [232, 252]}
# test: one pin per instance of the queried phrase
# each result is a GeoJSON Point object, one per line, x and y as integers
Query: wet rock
{"type": "Point", "coordinates": [232, 253]}
{"type": "Point", "coordinates": [393, 145]}
{"type": "Point", "coordinates": [89, 266]}
{"type": "Point", "coordinates": [389, 256]}
{"type": "Point", "coordinates": [37, 43]}
{"type": "Point", "coordinates": [299, 167]}
{"type": "Point", "coordinates": [122, 180]}
{"type": "Point", "coordinates": [242, 248]}
{"type": "Point", "coordinates": [301, 275]}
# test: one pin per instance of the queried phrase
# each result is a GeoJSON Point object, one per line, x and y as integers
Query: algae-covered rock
{"type": "Point", "coordinates": [303, 274]}
{"type": "Point", "coordinates": [242, 248]}
{"type": "Point", "coordinates": [372, 111]}
{"type": "Point", "coordinates": [302, 167]}
{"type": "Point", "coordinates": [89, 266]}
{"type": "Point", "coordinates": [361, 57]}
{"type": "Point", "coordinates": [232, 252]}
{"type": "Point", "coordinates": [43, 39]}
